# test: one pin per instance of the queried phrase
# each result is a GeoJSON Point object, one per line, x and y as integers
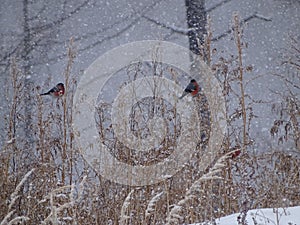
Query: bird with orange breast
{"type": "Point", "coordinates": [57, 91]}
{"type": "Point", "coordinates": [192, 88]}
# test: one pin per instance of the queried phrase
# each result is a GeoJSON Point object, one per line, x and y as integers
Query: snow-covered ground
{"type": "Point", "coordinates": [281, 216]}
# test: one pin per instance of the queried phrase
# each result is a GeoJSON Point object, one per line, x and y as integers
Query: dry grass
{"type": "Point", "coordinates": [58, 187]}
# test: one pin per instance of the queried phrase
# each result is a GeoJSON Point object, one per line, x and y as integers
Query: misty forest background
{"type": "Point", "coordinates": [251, 46]}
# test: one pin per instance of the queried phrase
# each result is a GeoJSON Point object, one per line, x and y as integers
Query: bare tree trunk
{"type": "Point", "coordinates": [27, 81]}
{"type": "Point", "coordinates": [196, 20]}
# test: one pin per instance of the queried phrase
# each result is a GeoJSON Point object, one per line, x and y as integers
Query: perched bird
{"type": "Point", "coordinates": [192, 88]}
{"type": "Point", "coordinates": [56, 91]}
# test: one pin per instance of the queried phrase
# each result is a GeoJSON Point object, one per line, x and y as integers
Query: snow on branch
{"type": "Point", "coordinates": [8, 215]}
{"type": "Point", "coordinates": [53, 217]}
{"type": "Point", "coordinates": [253, 16]}
{"type": "Point", "coordinates": [174, 215]}
{"type": "Point", "coordinates": [151, 206]}
{"type": "Point", "coordinates": [14, 196]}
{"type": "Point", "coordinates": [184, 31]}
{"type": "Point", "coordinates": [55, 210]}
{"type": "Point", "coordinates": [14, 220]}
{"type": "Point", "coordinates": [218, 166]}
{"type": "Point", "coordinates": [173, 28]}
{"type": "Point", "coordinates": [124, 217]}
{"type": "Point", "coordinates": [18, 219]}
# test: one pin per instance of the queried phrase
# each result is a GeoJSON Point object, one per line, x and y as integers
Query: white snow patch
{"type": "Point", "coordinates": [269, 216]}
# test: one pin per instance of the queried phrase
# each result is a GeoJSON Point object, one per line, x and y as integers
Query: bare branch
{"type": "Point", "coordinates": [14, 195]}
{"type": "Point", "coordinates": [124, 217]}
{"type": "Point", "coordinates": [61, 19]}
{"type": "Point", "coordinates": [253, 16]}
{"type": "Point", "coordinates": [175, 29]}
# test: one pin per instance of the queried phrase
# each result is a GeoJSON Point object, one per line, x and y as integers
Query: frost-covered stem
{"type": "Point", "coordinates": [14, 195]}
{"type": "Point", "coordinates": [174, 215]}
{"type": "Point", "coordinates": [81, 187]}
{"type": "Point", "coordinates": [124, 217]}
{"type": "Point", "coordinates": [71, 56]}
{"type": "Point", "coordinates": [11, 133]}
{"type": "Point", "coordinates": [168, 197]}
{"type": "Point", "coordinates": [53, 215]}
{"type": "Point", "coordinates": [41, 141]}
{"type": "Point", "coordinates": [18, 219]}
{"type": "Point", "coordinates": [14, 220]}
{"type": "Point", "coordinates": [12, 116]}
{"type": "Point", "coordinates": [295, 123]}
{"type": "Point", "coordinates": [152, 205]}
{"type": "Point", "coordinates": [237, 34]}
{"type": "Point", "coordinates": [8, 215]}
{"type": "Point", "coordinates": [208, 41]}
{"type": "Point", "coordinates": [55, 210]}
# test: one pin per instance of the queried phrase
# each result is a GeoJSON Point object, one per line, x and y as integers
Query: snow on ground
{"type": "Point", "coordinates": [281, 216]}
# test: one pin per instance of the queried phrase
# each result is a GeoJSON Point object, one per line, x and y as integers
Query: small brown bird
{"type": "Point", "coordinates": [57, 91]}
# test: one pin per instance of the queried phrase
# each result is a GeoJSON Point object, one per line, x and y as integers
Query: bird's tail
{"type": "Point", "coordinates": [183, 94]}
{"type": "Point", "coordinates": [46, 93]}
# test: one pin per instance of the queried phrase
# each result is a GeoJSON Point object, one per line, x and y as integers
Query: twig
{"type": "Point", "coordinates": [124, 217]}
{"type": "Point", "coordinates": [178, 30]}
{"type": "Point", "coordinates": [237, 34]}
{"type": "Point", "coordinates": [253, 16]}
